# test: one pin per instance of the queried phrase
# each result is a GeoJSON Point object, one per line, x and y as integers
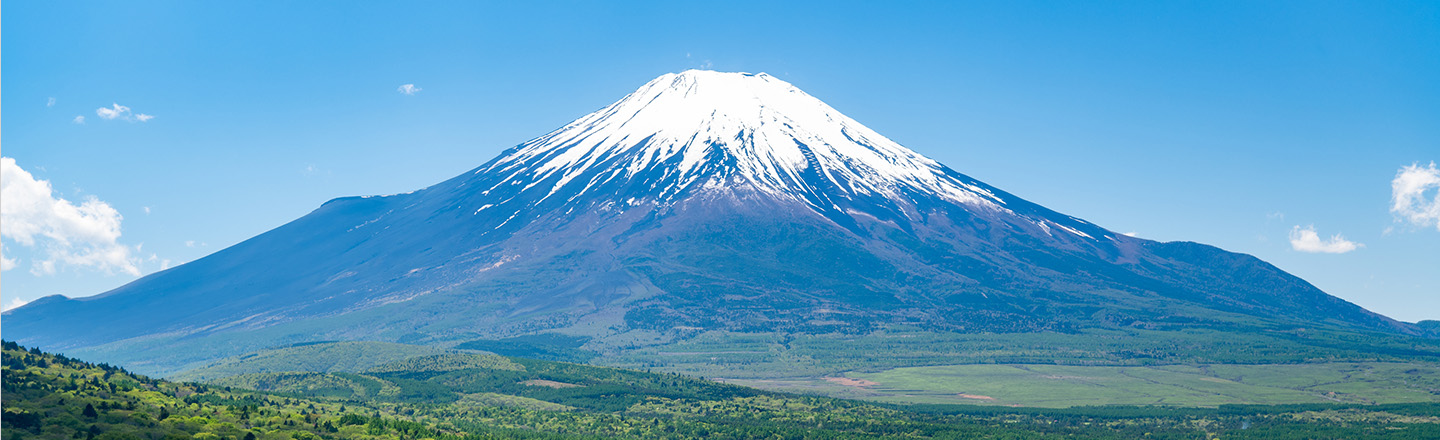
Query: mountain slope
{"type": "Point", "coordinates": [702, 201]}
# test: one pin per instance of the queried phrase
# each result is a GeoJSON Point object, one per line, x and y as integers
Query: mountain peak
{"type": "Point", "coordinates": [730, 91]}
{"type": "Point", "coordinates": [703, 129]}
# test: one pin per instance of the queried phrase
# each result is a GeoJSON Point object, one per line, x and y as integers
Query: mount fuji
{"type": "Point", "coordinates": [703, 201]}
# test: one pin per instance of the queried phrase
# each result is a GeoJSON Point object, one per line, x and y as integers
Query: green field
{"type": "Point", "coordinates": [781, 355]}
{"type": "Point", "coordinates": [1177, 385]}
{"type": "Point", "coordinates": [1196, 368]}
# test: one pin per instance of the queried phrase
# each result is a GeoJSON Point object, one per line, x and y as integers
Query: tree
{"type": "Point", "coordinates": [90, 411]}
{"type": "Point", "coordinates": [249, 436]}
{"type": "Point", "coordinates": [164, 414]}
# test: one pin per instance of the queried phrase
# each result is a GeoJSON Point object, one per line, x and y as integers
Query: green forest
{"type": "Point", "coordinates": [481, 396]}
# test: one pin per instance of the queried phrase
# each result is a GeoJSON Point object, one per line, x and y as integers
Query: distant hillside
{"type": "Point", "coordinates": [320, 357]}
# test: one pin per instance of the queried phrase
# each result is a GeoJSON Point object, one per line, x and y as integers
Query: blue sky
{"type": "Point", "coordinates": [1238, 124]}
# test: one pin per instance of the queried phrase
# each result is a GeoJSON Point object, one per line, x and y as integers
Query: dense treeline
{"type": "Point", "coordinates": [449, 398]}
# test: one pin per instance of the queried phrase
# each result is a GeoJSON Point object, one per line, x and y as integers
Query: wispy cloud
{"type": "Point", "coordinates": [78, 120]}
{"type": "Point", "coordinates": [50, 102]}
{"type": "Point", "coordinates": [6, 263]}
{"type": "Point", "coordinates": [15, 302]}
{"type": "Point", "coordinates": [1415, 195]}
{"type": "Point", "coordinates": [409, 89]}
{"type": "Point", "coordinates": [1307, 240]}
{"type": "Point", "coordinates": [703, 64]}
{"type": "Point", "coordinates": [120, 112]}
{"type": "Point", "coordinates": [63, 233]}
{"type": "Point", "coordinates": [165, 263]}
{"type": "Point", "coordinates": [112, 112]}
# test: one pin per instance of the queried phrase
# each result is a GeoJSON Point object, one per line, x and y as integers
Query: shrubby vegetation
{"type": "Point", "coordinates": [451, 398]}
{"type": "Point", "coordinates": [770, 355]}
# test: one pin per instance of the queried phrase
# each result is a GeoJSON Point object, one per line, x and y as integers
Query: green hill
{"type": "Point", "coordinates": [54, 397]}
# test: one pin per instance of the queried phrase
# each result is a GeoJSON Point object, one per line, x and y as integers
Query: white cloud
{"type": "Point", "coordinates": [1307, 240]}
{"type": "Point", "coordinates": [1415, 195]}
{"type": "Point", "coordinates": [112, 113]}
{"type": "Point", "coordinates": [117, 111]}
{"type": "Point", "coordinates": [147, 209]}
{"type": "Point", "coordinates": [1131, 234]}
{"type": "Point", "coordinates": [6, 263]}
{"type": "Point", "coordinates": [50, 102]}
{"type": "Point", "coordinates": [15, 302]}
{"type": "Point", "coordinates": [63, 233]}
{"type": "Point", "coordinates": [409, 89]}
{"type": "Point", "coordinates": [78, 120]}
{"type": "Point", "coordinates": [189, 243]}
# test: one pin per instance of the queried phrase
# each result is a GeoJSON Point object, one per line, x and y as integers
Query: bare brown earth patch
{"type": "Point", "coordinates": [851, 382]}
{"type": "Point", "coordinates": [975, 396]}
{"type": "Point", "coordinates": [549, 383]}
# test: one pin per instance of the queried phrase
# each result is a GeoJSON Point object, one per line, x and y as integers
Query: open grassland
{"type": "Point", "coordinates": [1175, 385]}
{"type": "Point", "coordinates": [781, 356]}
{"type": "Point", "coordinates": [1097, 367]}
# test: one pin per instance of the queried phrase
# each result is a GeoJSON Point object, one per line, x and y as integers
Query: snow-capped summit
{"type": "Point", "coordinates": [699, 128]}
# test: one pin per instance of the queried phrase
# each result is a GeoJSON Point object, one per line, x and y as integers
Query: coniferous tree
{"type": "Point", "coordinates": [90, 411]}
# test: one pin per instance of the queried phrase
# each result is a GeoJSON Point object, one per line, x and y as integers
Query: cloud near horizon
{"type": "Point", "coordinates": [14, 302]}
{"type": "Point", "coordinates": [1307, 240]}
{"type": "Point", "coordinates": [1415, 195]}
{"type": "Point", "coordinates": [62, 233]}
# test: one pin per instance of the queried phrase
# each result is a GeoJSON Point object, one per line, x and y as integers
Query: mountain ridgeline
{"type": "Point", "coordinates": [702, 202]}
